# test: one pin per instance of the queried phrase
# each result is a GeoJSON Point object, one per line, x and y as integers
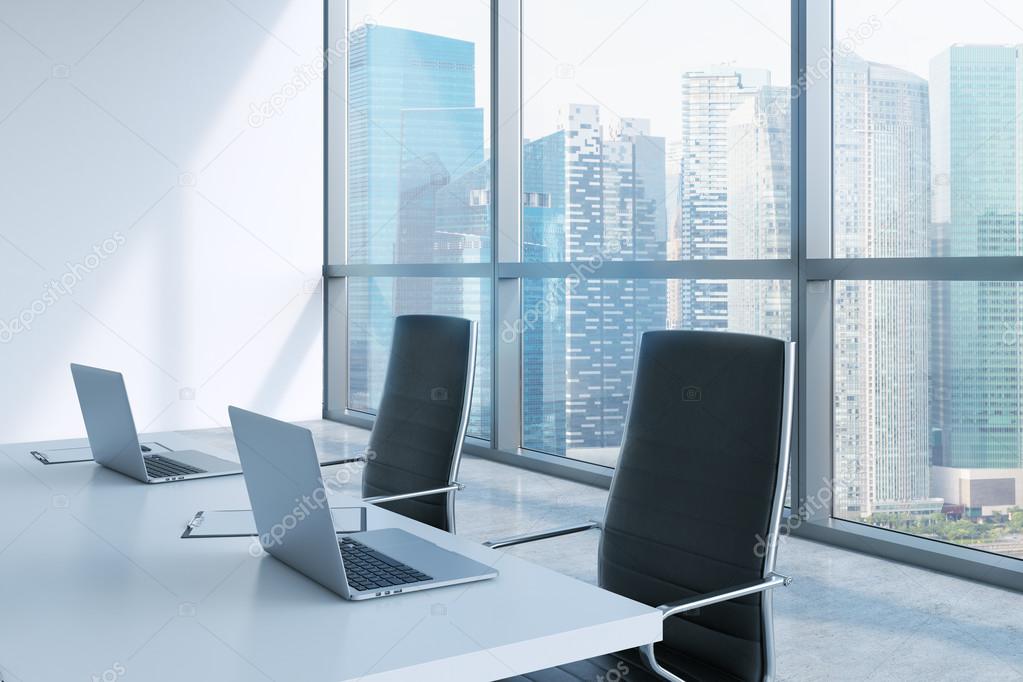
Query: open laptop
{"type": "Point", "coordinates": [293, 517]}
{"type": "Point", "coordinates": [115, 442]}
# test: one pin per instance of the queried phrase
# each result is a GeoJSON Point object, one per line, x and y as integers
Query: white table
{"type": "Point", "coordinates": [96, 584]}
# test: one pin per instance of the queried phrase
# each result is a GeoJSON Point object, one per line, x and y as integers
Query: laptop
{"type": "Point", "coordinates": [115, 442]}
{"type": "Point", "coordinates": [293, 518]}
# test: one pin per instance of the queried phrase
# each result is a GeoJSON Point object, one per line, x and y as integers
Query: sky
{"type": "Point", "coordinates": [913, 31]}
{"type": "Point", "coordinates": [628, 55]}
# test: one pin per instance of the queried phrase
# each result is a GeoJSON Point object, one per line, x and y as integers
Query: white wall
{"type": "Point", "coordinates": [127, 128]}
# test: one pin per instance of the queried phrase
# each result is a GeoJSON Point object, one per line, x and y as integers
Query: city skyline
{"type": "Point", "coordinates": [613, 188]}
{"type": "Point", "coordinates": [638, 28]}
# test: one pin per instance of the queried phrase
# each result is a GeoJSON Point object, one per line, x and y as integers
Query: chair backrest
{"type": "Point", "coordinates": [698, 490]}
{"type": "Point", "coordinates": [417, 437]}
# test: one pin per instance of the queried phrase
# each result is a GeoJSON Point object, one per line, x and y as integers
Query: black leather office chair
{"type": "Point", "coordinates": [416, 444]}
{"type": "Point", "coordinates": [695, 505]}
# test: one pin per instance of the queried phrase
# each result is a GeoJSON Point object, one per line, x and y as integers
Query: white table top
{"type": "Point", "coordinates": [96, 583]}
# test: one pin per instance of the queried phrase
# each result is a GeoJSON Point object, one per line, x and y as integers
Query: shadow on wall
{"type": "Point", "coordinates": [149, 223]}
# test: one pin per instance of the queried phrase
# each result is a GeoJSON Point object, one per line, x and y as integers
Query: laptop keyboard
{"type": "Point", "coordinates": [158, 466]}
{"type": "Point", "coordinates": [368, 569]}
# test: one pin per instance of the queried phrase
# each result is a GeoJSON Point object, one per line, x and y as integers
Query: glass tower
{"type": "Point", "coordinates": [759, 208]}
{"type": "Point", "coordinates": [591, 195]}
{"type": "Point", "coordinates": [708, 99]}
{"type": "Point", "coordinates": [976, 105]}
{"type": "Point", "coordinates": [881, 185]}
{"type": "Point", "coordinates": [543, 300]}
{"type": "Point", "coordinates": [418, 192]}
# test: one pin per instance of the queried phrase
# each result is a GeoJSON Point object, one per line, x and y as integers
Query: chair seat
{"type": "Point", "coordinates": [627, 666]}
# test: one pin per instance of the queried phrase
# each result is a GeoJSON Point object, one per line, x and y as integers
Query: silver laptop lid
{"type": "Point", "coordinates": [289, 501]}
{"type": "Point", "coordinates": [108, 420]}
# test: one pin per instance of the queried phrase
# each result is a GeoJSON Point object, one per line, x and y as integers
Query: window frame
{"type": "Point", "coordinates": [810, 269]}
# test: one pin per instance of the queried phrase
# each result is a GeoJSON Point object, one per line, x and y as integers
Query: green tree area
{"type": "Point", "coordinates": [961, 531]}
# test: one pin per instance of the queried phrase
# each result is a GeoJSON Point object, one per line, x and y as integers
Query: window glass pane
{"type": "Point", "coordinates": [927, 136]}
{"type": "Point", "coordinates": [418, 150]}
{"type": "Point", "coordinates": [373, 304]}
{"type": "Point", "coordinates": [928, 381]}
{"type": "Point", "coordinates": [579, 341]}
{"type": "Point", "coordinates": [636, 152]}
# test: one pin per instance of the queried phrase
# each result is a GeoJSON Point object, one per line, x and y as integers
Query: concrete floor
{"type": "Point", "coordinates": [847, 616]}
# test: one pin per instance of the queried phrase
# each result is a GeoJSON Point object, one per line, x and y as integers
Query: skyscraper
{"type": "Point", "coordinates": [759, 205]}
{"type": "Point", "coordinates": [673, 188]}
{"type": "Point", "coordinates": [418, 191]}
{"type": "Point", "coordinates": [708, 99]}
{"type": "Point", "coordinates": [673, 202]}
{"type": "Point", "coordinates": [543, 300]}
{"type": "Point", "coordinates": [395, 77]}
{"type": "Point", "coordinates": [592, 194]}
{"type": "Point", "coordinates": [881, 185]}
{"type": "Point", "coordinates": [977, 151]}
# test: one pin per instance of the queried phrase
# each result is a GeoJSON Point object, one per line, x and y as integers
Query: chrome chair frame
{"type": "Point", "coordinates": [453, 485]}
{"type": "Point", "coordinates": [770, 578]}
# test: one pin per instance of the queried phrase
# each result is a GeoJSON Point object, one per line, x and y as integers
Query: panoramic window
{"type": "Point", "coordinates": [928, 378]}
{"type": "Point", "coordinates": [656, 172]}
{"type": "Point", "coordinates": [695, 168]}
{"type": "Point", "coordinates": [418, 178]}
{"type": "Point", "coordinates": [614, 170]}
{"type": "Point", "coordinates": [418, 122]}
